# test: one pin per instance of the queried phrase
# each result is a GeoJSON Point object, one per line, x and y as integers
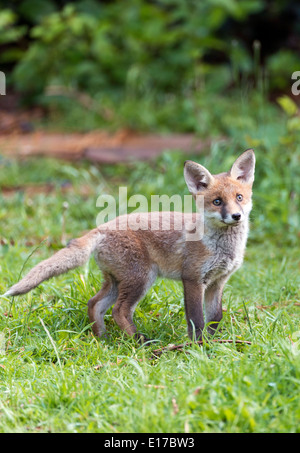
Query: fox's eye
{"type": "Point", "coordinates": [239, 197]}
{"type": "Point", "coordinates": [217, 202]}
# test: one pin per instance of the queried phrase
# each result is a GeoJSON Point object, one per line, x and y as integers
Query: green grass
{"type": "Point", "coordinates": [56, 376]}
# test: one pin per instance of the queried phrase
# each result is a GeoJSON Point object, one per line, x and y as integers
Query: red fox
{"type": "Point", "coordinates": [130, 260]}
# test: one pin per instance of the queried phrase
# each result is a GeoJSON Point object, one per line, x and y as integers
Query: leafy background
{"type": "Point", "coordinates": [161, 46]}
{"type": "Point", "coordinates": [215, 68]}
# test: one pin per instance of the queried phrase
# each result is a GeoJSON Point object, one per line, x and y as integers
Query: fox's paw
{"type": "Point", "coordinates": [141, 338]}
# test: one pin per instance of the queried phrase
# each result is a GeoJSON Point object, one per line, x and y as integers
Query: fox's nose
{"type": "Point", "coordinates": [236, 217]}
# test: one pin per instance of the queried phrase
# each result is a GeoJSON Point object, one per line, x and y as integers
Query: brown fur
{"type": "Point", "coordinates": [132, 259]}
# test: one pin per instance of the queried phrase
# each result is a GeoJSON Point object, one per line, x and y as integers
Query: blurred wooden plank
{"type": "Point", "coordinates": [98, 146]}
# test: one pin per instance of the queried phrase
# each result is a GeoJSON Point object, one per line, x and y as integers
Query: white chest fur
{"type": "Point", "coordinates": [226, 246]}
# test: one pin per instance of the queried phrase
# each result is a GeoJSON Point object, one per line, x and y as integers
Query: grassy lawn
{"type": "Point", "coordinates": [55, 376]}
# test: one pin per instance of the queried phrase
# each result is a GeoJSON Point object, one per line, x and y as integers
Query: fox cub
{"type": "Point", "coordinates": [131, 259]}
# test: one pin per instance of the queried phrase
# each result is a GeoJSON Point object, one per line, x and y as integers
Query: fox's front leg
{"type": "Point", "coordinates": [213, 304]}
{"type": "Point", "coordinates": [193, 301]}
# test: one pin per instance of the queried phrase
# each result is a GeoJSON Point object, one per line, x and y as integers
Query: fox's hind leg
{"type": "Point", "coordinates": [101, 302]}
{"type": "Point", "coordinates": [130, 293]}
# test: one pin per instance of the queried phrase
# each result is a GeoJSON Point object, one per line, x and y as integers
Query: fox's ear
{"type": "Point", "coordinates": [196, 177]}
{"type": "Point", "coordinates": [243, 167]}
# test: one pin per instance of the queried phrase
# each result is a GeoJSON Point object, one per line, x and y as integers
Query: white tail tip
{"type": "Point", "coordinates": [7, 294]}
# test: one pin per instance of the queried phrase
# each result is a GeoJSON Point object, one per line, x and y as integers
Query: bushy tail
{"type": "Point", "coordinates": [75, 254]}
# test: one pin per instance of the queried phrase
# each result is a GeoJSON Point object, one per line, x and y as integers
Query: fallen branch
{"type": "Point", "coordinates": [173, 347]}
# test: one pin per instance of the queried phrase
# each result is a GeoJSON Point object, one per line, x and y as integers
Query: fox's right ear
{"type": "Point", "coordinates": [196, 177]}
{"type": "Point", "coordinates": [243, 168]}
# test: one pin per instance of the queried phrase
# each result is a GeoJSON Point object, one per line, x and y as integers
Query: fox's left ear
{"type": "Point", "coordinates": [243, 167]}
{"type": "Point", "coordinates": [197, 177]}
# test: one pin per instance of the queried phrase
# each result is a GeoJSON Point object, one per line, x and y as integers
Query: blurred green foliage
{"type": "Point", "coordinates": [143, 46]}
{"type": "Point", "coordinates": [273, 132]}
